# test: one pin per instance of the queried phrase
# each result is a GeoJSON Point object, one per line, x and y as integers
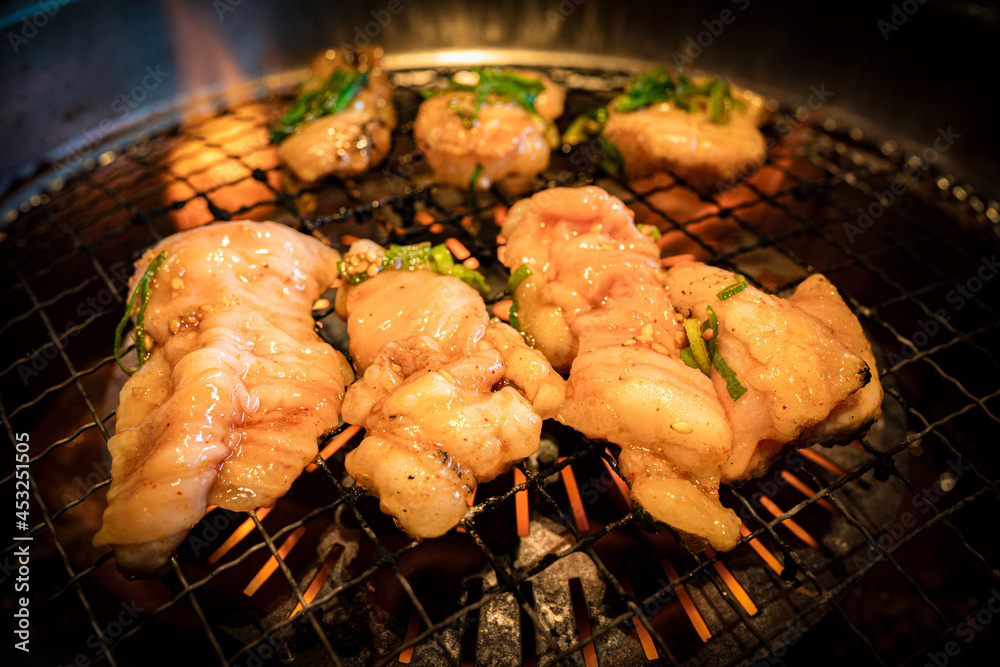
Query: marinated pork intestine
{"type": "Point", "coordinates": [504, 142]}
{"type": "Point", "coordinates": [599, 279]}
{"type": "Point", "coordinates": [598, 303]}
{"type": "Point", "coordinates": [852, 416]}
{"type": "Point", "coordinates": [702, 152]}
{"type": "Point", "coordinates": [795, 368]}
{"type": "Point", "coordinates": [228, 408]}
{"type": "Point", "coordinates": [354, 140]}
{"type": "Point", "coordinates": [448, 398]}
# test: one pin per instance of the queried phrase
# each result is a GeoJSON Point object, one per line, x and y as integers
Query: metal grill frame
{"type": "Point", "coordinates": [829, 148]}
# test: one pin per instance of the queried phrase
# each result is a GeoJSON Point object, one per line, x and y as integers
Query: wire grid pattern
{"type": "Point", "coordinates": [794, 212]}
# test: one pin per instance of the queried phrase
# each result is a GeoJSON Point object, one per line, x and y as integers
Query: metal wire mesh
{"type": "Point", "coordinates": [880, 548]}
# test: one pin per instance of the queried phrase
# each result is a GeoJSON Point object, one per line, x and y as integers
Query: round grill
{"type": "Point", "coordinates": [873, 552]}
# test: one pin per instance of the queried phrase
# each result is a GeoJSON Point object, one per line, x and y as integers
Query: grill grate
{"type": "Point", "coordinates": [828, 542]}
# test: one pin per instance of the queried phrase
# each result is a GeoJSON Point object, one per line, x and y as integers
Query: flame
{"type": "Point", "coordinates": [272, 563]}
{"type": "Point", "coordinates": [317, 583]}
{"type": "Point", "coordinates": [342, 439]}
{"type": "Point", "coordinates": [412, 629]}
{"type": "Point", "coordinates": [789, 523]}
{"type": "Point", "coordinates": [737, 589]}
{"type": "Point", "coordinates": [648, 647]}
{"type": "Point", "coordinates": [502, 308]}
{"type": "Point", "coordinates": [521, 505]}
{"type": "Point", "coordinates": [762, 551]}
{"type": "Point", "coordinates": [825, 463]}
{"type": "Point", "coordinates": [582, 617]}
{"type": "Point", "coordinates": [692, 611]}
{"type": "Point", "coordinates": [575, 501]}
{"type": "Point", "coordinates": [244, 529]}
{"type": "Point", "coordinates": [807, 491]}
{"type": "Point", "coordinates": [217, 171]}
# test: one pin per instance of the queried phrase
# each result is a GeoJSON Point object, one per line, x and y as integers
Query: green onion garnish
{"type": "Point", "coordinates": [702, 354]}
{"type": "Point", "coordinates": [697, 345]}
{"type": "Point", "coordinates": [658, 85]}
{"type": "Point", "coordinates": [611, 160]}
{"type": "Point", "coordinates": [650, 230]}
{"type": "Point", "coordinates": [497, 82]}
{"type": "Point", "coordinates": [711, 323]}
{"type": "Point", "coordinates": [587, 125]}
{"type": "Point", "coordinates": [734, 289]}
{"type": "Point", "coordinates": [141, 288]}
{"type": "Point", "coordinates": [332, 96]}
{"type": "Point", "coordinates": [513, 318]}
{"type": "Point", "coordinates": [733, 385]}
{"type": "Point", "coordinates": [354, 268]}
{"type": "Point", "coordinates": [517, 277]}
{"type": "Point", "coordinates": [476, 173]}
{"type": "Point", "coordinates": [446, 266]}
{"type": "Point", "coordinates": [688, 357]}
{"type": "Point", "coordinates": [409, 257]}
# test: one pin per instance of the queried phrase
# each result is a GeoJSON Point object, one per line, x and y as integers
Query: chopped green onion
{"type": "Point", "coordinates": [408, 257]}
{"type": "Point", "coordinates": [517, 277]}
{"type": "Point", "coordinates": [611, 160]}
{"type": "Point", "coordinates": [712, 323]}
{"type": "Point", "coordinates": [471, 278]}
{"type": "Point", "coordinates": [141, 288]}
{"type": "Point", "coordinates": [734, 289]}
{"type": "Point", "coordinates": [476, 173]}
{"type": "Point", "coordinates": [497, 82]}
{"type": "Point", "coordinates": [513, 318]}
{"type": "Point", "coordinates": [704, 354]}
{"type": "Point", "coordinates": [354, 269]}
{"type": "Point", "coordinates": [693, 330]}
{"type": "Point", "coordinates": [650, 230]}
{"type": "Point", "coordinates": [332, 96]}
{"type": "Point", "coordinates": [585, 126]}
{"type": "Point", "coordinates": [733, 385]}
{"type": "Point", "coordinates": [688, 357]}
{"type": "Point", "coordinates": [658, 85]}
{"type": "Point", "coordinates": [445, 265]}
{"type": "Point", "coordinates": [441, 258]}
{"type": "Point", "coordinates": [588, 125]}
